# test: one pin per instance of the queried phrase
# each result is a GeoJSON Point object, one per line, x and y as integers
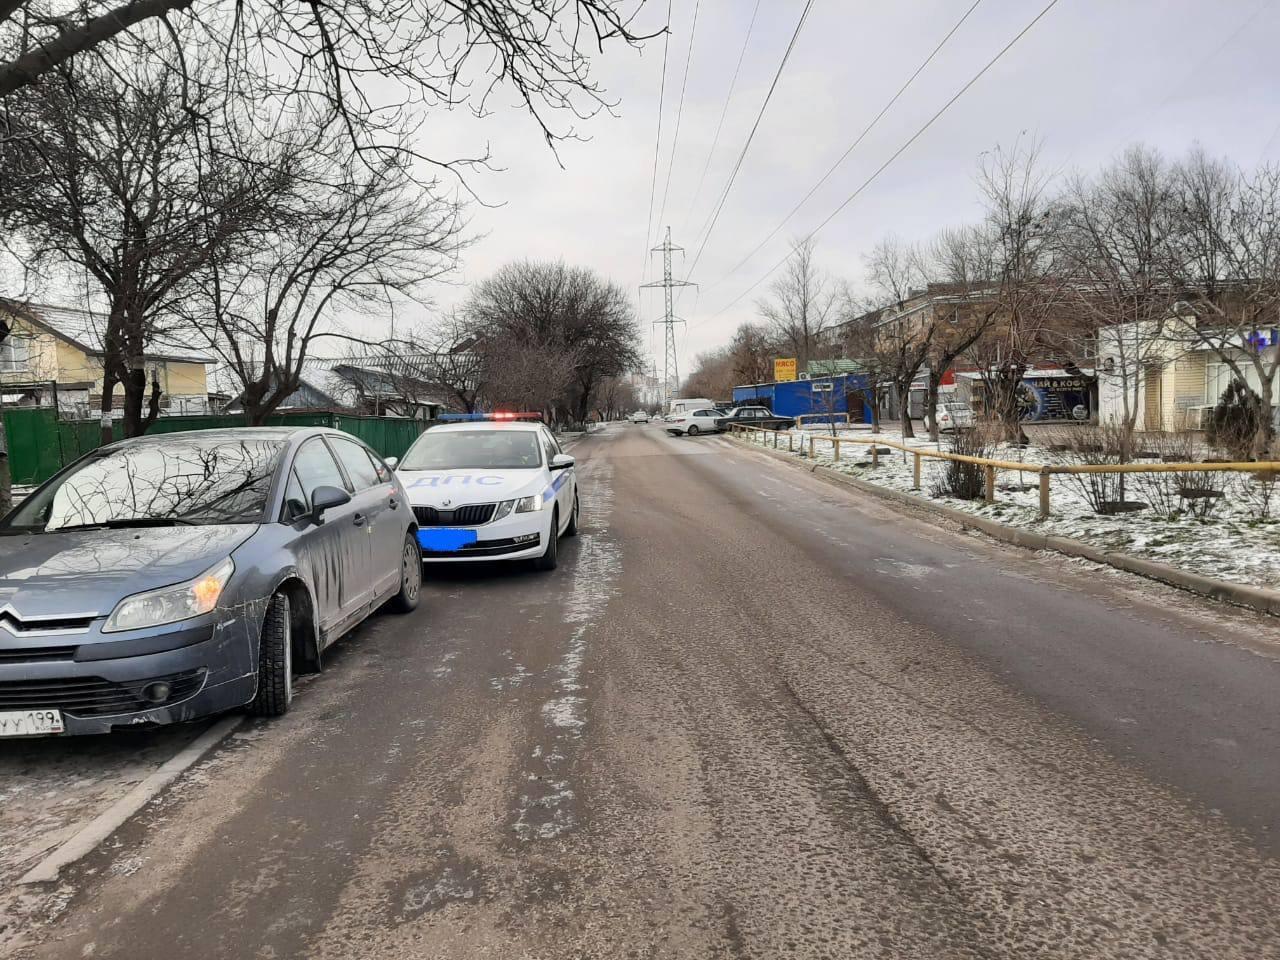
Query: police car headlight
{"type": "Point", "coordinates": [529, 504]}
{"type": "Point", "coordinates": [504, 509]}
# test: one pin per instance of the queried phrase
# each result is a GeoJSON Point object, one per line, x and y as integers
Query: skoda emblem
{"type": "Point", "coordinates": [445, 503]}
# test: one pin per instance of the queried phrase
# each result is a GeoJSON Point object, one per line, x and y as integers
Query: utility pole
{"type": "Point", "coordinates": [670, 373]}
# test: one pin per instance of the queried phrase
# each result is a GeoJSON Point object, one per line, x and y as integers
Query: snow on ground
{"type": "Point", "coordinates": [1232, 544]}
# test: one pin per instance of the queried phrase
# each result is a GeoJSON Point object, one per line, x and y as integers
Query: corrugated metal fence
{"type": "Point", "coordinates": [40, 444]}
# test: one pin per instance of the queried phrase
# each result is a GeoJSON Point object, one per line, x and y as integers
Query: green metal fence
{"type": "Point", "coordinates": [40, 444]}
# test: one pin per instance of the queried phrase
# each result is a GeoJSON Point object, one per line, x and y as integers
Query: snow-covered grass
{"type": "Point", "coordinates": [1231, 544]}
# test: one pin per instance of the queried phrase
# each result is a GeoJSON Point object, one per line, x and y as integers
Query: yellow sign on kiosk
{"type": "Point", "coordinates": [784, 369]}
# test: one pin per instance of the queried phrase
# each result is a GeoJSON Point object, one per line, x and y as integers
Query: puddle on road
{"type": "Point", "coordinates": [453, 880]}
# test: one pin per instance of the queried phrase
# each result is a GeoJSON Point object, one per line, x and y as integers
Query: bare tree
{"type": "Point", "coordinates": [752, 351]}
{"type": "Point", "coordinates": [345, 237]}
{"type": "Point", "coordinates": [564, 311]}
{"type": "Point", "coordinates": [901, 338]}
{"type": "Point", "coordinates": [862, 340]}
{"type": "Point", "coordinates": [1113, 242]}
{"type": "Point", "coordinates": [424, 52]}
{"type": "Point", "coordinates": [1020, 220]}
{"type": "Point", "coordinates": [895, 270]}
{"type": "Point", "coordinates": [801, 303]}
{"type": "Point", "coordinates": [713, 375]}
{"type": "Point", "coordinates": [528, 376]}
{"type": "Point", "coordinates": [614, 397]}
{"type": "Point", "coordinates": [1227, 270]}
{"type": "Point", "coordinates": [455, 360]}
{"type": "Point", "coordinates": [961, 260]}
{"type": "Point", "coordinates": [106, 173]}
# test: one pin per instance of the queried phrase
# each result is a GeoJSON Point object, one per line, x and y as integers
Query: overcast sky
{"type": "Point", "coordinates": [1090, 78]}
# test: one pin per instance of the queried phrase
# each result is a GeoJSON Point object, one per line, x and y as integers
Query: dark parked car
{"type": "Point", "coordinates": [754, 417]}
{"type": "Point", "coordinates": [172, 576]}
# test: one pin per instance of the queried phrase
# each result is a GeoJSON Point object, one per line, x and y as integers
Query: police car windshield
{"type": "Point", "coordinates": [474, 449]}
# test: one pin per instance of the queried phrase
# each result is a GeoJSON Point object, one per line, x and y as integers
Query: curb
{"type": "Point", "coordinates": [1255, 598]}
{"type": "Point", "coordinates": [115, 816]}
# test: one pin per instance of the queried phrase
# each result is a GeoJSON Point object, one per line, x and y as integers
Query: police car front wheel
{"type": "Point", "coordinates": [572, 529]}
{"type": "Point", "coordinates": [548, 559]}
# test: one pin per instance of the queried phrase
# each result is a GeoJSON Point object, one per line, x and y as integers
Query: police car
{"type": "Point", "coordinates": [494, 487]}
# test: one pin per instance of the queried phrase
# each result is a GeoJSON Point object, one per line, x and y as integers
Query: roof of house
{"type": "Point", "coordinates": [84, 329]}
{"type": "Point", "coordinates": [826, 368]}
{"type": "Point", "coordinates": [337, 383]}
{"type": "Point", "coordinates": [318, 386]}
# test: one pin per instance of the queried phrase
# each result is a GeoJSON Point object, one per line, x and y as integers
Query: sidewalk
{"type": "Point", "coordinates": [1232, 545]}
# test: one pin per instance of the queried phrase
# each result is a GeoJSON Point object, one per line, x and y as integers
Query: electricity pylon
{"type": "Point", "coordinates": [670, 372]}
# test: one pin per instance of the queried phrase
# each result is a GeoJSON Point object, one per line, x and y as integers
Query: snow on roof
{"type": "Point", "coordinates": [86, 329]}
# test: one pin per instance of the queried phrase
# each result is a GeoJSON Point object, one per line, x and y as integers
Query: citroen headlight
{"type": "Point", "coordinates": [529, 504]}
{"type": "Point", "coordinates": [182, 601]}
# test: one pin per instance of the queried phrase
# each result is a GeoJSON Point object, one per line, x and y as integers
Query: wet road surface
{"type": "Point", "coordinates": [750, 715]}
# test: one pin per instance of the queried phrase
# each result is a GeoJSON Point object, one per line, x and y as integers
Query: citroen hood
{"type": "Point", "coordinates": [82, 572]}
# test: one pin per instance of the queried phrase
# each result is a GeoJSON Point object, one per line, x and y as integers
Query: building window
{"type": "Point", "coordinates": [15, 354]}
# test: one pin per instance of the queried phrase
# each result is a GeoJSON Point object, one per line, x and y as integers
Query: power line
{"type": "Point", "coordinates": [897, 153]}
{"type": "Point", "coordinates": [853, 146]}
{"type": "Point", "coordinates": [715, 140]}
{"type": "Point", "coordinates": [724, 194]}
{"type": "Point", "coordinates": [657, 142]}
{"type": "Point", "coordinates": [675, 139]}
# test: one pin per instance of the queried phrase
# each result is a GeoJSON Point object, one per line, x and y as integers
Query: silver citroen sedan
{"type": "Point", "coordinates": [172, 576]}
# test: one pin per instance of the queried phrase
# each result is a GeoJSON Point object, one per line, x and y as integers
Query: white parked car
{"type": "Point", "coordinates": [485, 489]}
{"type": "Point", "coordinates": [640, 416]}
{"type": "Point", "coordinates": [953, 414]}
{"type": "Point", "coordinates": [692, 422]}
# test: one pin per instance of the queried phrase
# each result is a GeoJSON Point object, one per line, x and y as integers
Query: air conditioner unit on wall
{"type": "Point", "coordinates": [804, 376]}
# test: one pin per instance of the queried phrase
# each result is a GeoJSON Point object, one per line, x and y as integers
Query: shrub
{"type": "Point", "coordinates": [965, 481]}
{"type": "Point", "coordinates": [1165, 491]}
{"type": "Point", "coordinates": [1099, 445]}
{"type": "Point", "coordinates": [1259, 494]}
{"type": "Point", "coordinates": [1238, 420]}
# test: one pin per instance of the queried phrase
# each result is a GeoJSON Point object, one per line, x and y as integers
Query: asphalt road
{"type": "Point", "coordinates": [751, 715]}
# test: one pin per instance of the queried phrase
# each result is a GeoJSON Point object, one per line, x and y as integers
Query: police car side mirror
{"type": "Point", "coordinates": [391, 462]}
{"type": "Point", "coordinates": [561, 461]}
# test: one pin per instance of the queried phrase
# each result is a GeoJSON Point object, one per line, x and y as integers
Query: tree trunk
{"type": "Point", "coordinates": [135, 390]}
{"type": "Point", "coordinates": [932, 383]}
{"type": "Point", "coordinates": [1263, 435]}
{"type": "Point", "coordinates": [106, 434]}
{"type": "Point", "coordinates": [1007, 413]}
{"type": "Point", "coordinates": [904, 410]}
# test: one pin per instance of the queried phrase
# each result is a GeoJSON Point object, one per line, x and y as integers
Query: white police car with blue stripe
{"type": "Point", "coordinates": [494, 487]}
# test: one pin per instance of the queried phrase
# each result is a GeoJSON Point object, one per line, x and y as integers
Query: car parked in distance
{"type": "Point", "coordinates": [173, 576]}
{"type": "Point", "coordinates": [640, 416]}
{"type": "Point", "coordinates": [692, 422]}
{"type": "Point", "coordinates": [681, 405]}
{"type": "Point", "coordinates": [754, 416]}
{"type": "Point", "coordinates": [953, 415]}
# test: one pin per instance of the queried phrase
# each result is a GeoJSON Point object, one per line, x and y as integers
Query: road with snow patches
{"type": "Point", "coordinates": [750, 715]}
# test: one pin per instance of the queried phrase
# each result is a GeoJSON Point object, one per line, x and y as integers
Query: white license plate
{"type": "Point", "coordinates": [30, 723]}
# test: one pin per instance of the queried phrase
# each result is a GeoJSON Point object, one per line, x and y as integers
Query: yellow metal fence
{"type": "Point", "coordinates": [1268, 468]}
